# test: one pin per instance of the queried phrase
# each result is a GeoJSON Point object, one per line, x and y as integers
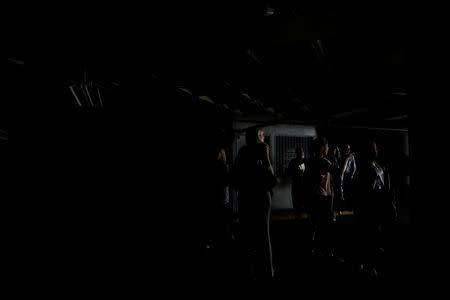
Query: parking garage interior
{"type": "Point", "coordinates": [118, 107]}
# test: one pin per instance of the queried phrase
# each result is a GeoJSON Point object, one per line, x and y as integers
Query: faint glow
{"type": "Point", "coordinates": [269, 11]}
{"type": "Point", "coordinates": [346, 213]}
{"type": "Point", "coordinates": [207, 99]}
{"type": "Point", "coordinates": [86, 89]}
{"type": "Point", "coordinates": [270, 110]}
{"type": "Point", "coordinates": [16, 61]}
{"type": "Point", "coordinates": [279, 115]}
{"type": "Point", "coordinates": [253, 55]}
{"type": "Point", "coordinates": [99, 97]}
{"type": "Point", "coordinates": [397, 118]}
{"type": "Point", "coordinates": [237, 112]}
{"type": "Point", "coordinates": [246, 96]}
{"type": "Point", "coordinates": [319, 45]}
{"type": "Point", "coordinates": [3, 135]}
{"type": "Point", "coordinates": [303, 108]}
{"type": "Point", "coordinates": [75, 95]}
{"type": "Point", "coordinates": [185, 90]}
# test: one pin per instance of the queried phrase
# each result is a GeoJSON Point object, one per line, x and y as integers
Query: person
{"type": "Point", "coordinates": [377, 211]}
{"type": "Point", "coordinates": [254, 178]}
{"type": "Point", "coordinates": [222, 197]}
{"type": "Point", "coordinates": [320, 201]}
{"type": "Point", "coordinates": [336, 192]}
{"type": "Point", "coordinates": [296, 170]}
{"type": "Point", "coordinates": [347, 175]}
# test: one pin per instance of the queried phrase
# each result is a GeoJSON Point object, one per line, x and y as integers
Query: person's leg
{"type": "Point", "coordinates": [265, 269]}
{"type": "Point", "coordinates": [324, 219]}
{"type": "Point", "coordinates": [338, 201]}
{"type": "Point", "coordinates": [246, 234]}
{"type": "Point", "coordinates": [313, 213]}
{"type": "Point", "coordinates": [325, 225]}
{"type": "Point", "coordinates": [387, 219]}
{"type": "Point", "coordinates": [369, 230]}
{"type": "Point", "coordinates": [295, 203]}
{"type": "Point", "coordinates": [330, 226]}
{"type": "Point", "coordinates": [266, 262]}
{"type": "Point", "coordinates": [348, 192]}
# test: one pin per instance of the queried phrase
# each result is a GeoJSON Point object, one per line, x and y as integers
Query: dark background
{"type": "Point", "coordinates": [123, 182]}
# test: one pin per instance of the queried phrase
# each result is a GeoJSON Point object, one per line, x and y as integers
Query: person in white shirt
{"type": "Point", "coordinates": [348, 173]}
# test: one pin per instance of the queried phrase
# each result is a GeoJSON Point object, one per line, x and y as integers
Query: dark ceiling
{"type": "Point", "coordinates": [271, 62]}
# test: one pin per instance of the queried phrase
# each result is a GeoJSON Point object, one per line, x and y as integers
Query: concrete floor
{"type": "Point", "coordinates": [296, 267]}
{"type": "Point", "coordinates": [134, 256]}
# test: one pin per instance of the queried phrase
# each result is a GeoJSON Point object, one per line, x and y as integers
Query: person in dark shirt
{"type": "Point", "coordinates": [296, 170]}
{"type": "Point", "coordinates": [376, 210]}
{"type": "Point", "coordinates": [334, 156]}
{"type": "Point", "coordinates": [319, 180]}
{"type": "Point", "coordinates": [254, 178]}
{"type": "Point", "coordinates": [222, 197]}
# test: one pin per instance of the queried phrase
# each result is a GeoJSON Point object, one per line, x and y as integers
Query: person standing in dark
{"type": "Point", "coordinates": [336, 191]}
{"type": "Point", "coordinates": [254, 178]}
{"type": "Point", "coordinates": [222, 197]}
{"type": "Point", "coordinates": [347, 175]}
{"type": "Point", "coordinates": [296, 170]}
{"type": "Point", "coordinates": [377, 211]}
{"type": "Point", "coordinates": [320, 202]}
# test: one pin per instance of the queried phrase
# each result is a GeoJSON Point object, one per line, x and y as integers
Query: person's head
{"type": "Point", "coordinates": [347, 148]}
{"type": "Point", "coordinates": [373, 150]}
{"type": "Point", "coordinates": [321, 146]}
{"type": "Point", "coordinates": [221, 156]}
{"type": "Point", "coordinates": [299, 152]}
{"type": "Point", "coordinates": [335, 151]}
{"type": "Point", "coordinates": [254, 135]}
{"type": "Point", "coordinates": [260, 135]}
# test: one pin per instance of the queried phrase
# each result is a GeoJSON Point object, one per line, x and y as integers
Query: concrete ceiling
{"type": "Point", "coordinates": [342, 67]}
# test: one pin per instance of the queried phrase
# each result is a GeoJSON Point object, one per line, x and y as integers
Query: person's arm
{"type": "Point", "coordinates": [302, 166]}
{"type": "Point", "coordinates": [268, 159]}
{"type": "Point", "coordinates": [372, 178]}
{"type": "Point", "coordinates": [354, 167]}
{"type": "Point", "coordinates": [344, 167]}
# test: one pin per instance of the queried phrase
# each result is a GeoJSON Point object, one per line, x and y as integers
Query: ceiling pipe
{"type": "Point", "coordinates": [371, 128]}
{"type": "Point", "coordinates": [99, 97]}
{"type": "Point", "coordinates": [86, 93]}
{"type": "Point", "coordinates": [75, 95]}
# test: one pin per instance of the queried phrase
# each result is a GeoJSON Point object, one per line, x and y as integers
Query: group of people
{"type": "Point", "coordinates": [322, 184]}
{"type": "Point", "coordinates": [342, 173]}
{"type": "Point", "coordinates": [326, 183]}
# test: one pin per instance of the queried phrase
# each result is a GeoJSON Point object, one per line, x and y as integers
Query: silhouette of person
{"type": "Point", "coordinates": [222, 196]}
{"type": "Point", "coordinates": [347, 175]}
{"type": "Point", "coordinates": [334, 157]}
{"type": "Point", "coordinates": [377, 211]}
{"type": "Point", "coordinates": [296, 170]}
{"type": "Point", "coordinates": [254, 179]}
{"type": "Point", "coordinates": [320, 201]}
